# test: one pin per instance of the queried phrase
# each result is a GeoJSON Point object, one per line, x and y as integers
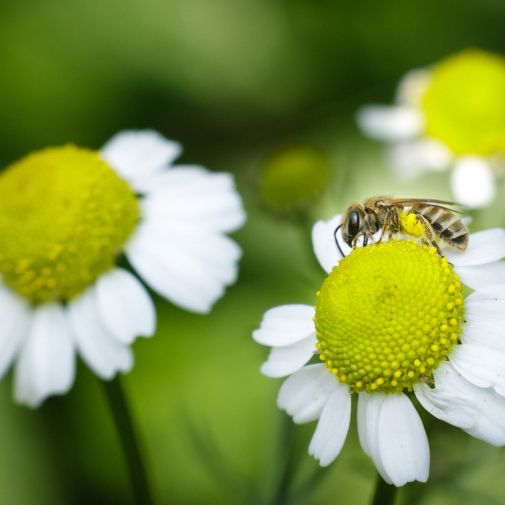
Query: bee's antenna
{"type": "Point", "coordinates": [336, 240]}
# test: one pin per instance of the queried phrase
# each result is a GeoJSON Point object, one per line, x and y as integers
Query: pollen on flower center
{"type": "Point", "coordinates": [464, 103]}
{"type": "Point", "coordinates": [387, 315]}
{"type": "Point", "coordinates": [64, 217]}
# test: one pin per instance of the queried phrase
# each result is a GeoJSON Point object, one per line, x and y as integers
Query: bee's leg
{"type": "Point", "coordinates": [429, 234]}
{"type": "Point", "coordinates": [395, 221]}
{"type": "Point", "coordinates": [386, 226]}
{"type": "Point", "coordinates": [365, 240]}
{"type": "Point", "coordinates": [436, 246]}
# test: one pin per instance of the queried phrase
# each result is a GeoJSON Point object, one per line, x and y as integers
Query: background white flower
{"type": "Point", "coordinates": [179, 247]}
{"type": "Point", "coordinates": [451, 115]}
{"type": "Point", "coordinates": [468, 389]}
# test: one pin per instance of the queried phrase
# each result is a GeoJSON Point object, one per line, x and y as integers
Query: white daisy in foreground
{"type": "Point", "coordinates": [451, 115]}
{"type": "Point", "coordinates": [391, 320]}
{"type": "Point", "coordinates": [67, 215]}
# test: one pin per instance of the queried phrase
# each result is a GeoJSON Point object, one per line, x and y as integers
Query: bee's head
{"type": "Point", "coordinates": [353, 223]}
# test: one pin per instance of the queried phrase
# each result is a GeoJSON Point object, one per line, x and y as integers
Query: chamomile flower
{"type": "Point", "coordinates": [67, 215]}
{"type": "Point", "coordinates": [451, 115]}
{"type": "Point", "coordinates": [391, 320]}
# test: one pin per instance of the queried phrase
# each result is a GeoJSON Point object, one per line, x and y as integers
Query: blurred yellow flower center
{"type": "Point", "coordinates": [464, 104]}
{"type": "Point", "coordinates": [64, 217]}
{"type": "Point", "coordinates": [387, 315]}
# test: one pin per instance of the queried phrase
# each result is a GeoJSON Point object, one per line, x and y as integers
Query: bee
{"type": "Point", "coordinates": [431, 220]}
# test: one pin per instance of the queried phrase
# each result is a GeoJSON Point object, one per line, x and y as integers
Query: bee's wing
{"type": "Point", "coordinates": [442, 204]}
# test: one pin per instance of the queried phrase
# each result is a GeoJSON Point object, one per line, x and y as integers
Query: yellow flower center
{"type": "Point", "coordinates": [464, 104]}
{"type": "Point", "coordinates": [64, 217]}
{"type": "Point", "coordinates": [387, 315]}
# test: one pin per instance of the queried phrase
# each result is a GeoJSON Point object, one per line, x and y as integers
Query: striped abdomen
{"type": "Point", "coordinates": [447, 225]}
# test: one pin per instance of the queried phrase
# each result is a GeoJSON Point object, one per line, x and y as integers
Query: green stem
{"type": "Point", "coordinates": [311, 484]}
{"type": "Point", "coordinates": [314, 273]}
{"type": "Point", "coordinates": [281, 493]}
{"type": "Point", "coordinates": [384, 494]}
{"type": "Point", "coordinates": [125, 427]}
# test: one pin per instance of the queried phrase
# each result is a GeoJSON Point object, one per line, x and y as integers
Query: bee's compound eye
{"type": "Point", "coordinates": [354, 223]}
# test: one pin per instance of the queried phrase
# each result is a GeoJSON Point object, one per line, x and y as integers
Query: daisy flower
{"type": "Point", "coordinates": [391, 322]}
{"type": "Point", "coordinates": [67, 217]}
{"type": "Point", "coordinates": [451, 115]}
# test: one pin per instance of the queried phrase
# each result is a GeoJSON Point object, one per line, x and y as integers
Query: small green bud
{"type": "Point", "coordinates": [293, 179]}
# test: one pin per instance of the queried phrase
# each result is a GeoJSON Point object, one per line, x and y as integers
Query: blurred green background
{"type": "Point", "coordinates": [233, 81]}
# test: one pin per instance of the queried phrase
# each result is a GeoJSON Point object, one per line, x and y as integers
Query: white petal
{"type": "Point", "coordinates": [195, 198]}
{"type": "Point", "coordinates": [369, 407]}
{"type": "Point", "coordinates": [181, 179]}
{"type": "Point", "coordinates": [174, 182]}
{"type": "Point", "coordinates": [125, 306]}
{"type": "Point", "coordinates": [409, 159]}
{"type": "Point", "coordinates": [15, 317]}
{"type": "Point", "coordinates": [46, 365]}
{"type": "Point", "coordinates": [481, 276]}
{"type": "Point", "coordinates": [480, 412]}
{"type": "Point", "coordinates": [323, 242]}
{"type": "Point", "coordinates": [191, 270]}
{"type": "Point", "coordinates": [483, 247]}
{"type": "Point", "coordinates": [303, 394]}
{"type": "Point", "coordinates": [139, 154]}
{"type": "Point", "coordinates": [485, 306]}
{"type": "Point", "coordinates": [103, 353]}
{"type": "Point", "coordinates": [412, 87]}
{"type": "Point", "coordinates": [485, 325]}
{"type": "Point", "coordinates": [390, 123]}
{"type": "Point", "coordinates": [211, 250]}
{"type": "Point", "coordinates": [285, 325]}
{"type": "Point", "coordinates": [286, 360]}
{"type": "Point", "coordinates": [392, 433]}
{"type": "Point", "coordinates": [494, 293]}
{"type": "Point", "coordinates": [473, 182]}
{"type": "Point", "coordinates": [403, 443]}
{"type": "Point", "coordinates": [481, 365]}
{"type": "Point", "coordinates": [332, 427]}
